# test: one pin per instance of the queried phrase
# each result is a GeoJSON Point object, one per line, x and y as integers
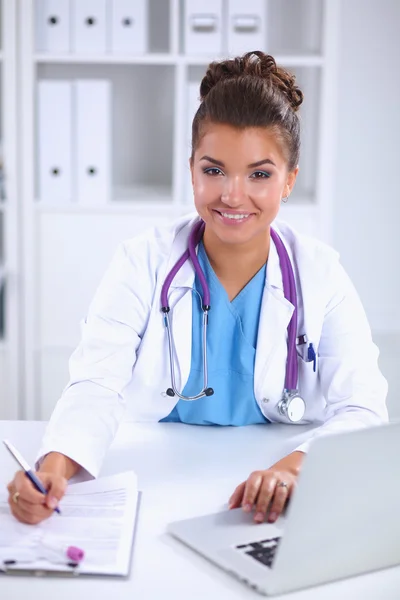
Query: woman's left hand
{"type": "Point", "coordinates": [268, 490]}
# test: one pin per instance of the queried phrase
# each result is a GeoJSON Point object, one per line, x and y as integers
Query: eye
{"type": "Point", "coordinates": [213, 171]}
{"type": "Point", "coordinates": [260, 175]}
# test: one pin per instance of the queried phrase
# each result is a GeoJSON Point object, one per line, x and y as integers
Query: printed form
{"type": "Point", "coordinates": [97, 516]}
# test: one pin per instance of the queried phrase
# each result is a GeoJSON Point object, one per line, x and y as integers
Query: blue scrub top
{"type": "Point", "coordinates": [231, 349]}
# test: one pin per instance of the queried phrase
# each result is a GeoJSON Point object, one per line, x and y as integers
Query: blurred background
{"type": "Point", "coordinates": [96, 103]}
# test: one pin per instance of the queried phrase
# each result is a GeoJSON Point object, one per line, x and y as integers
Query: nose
{"type": "Point", "coordinates": [233, 192]}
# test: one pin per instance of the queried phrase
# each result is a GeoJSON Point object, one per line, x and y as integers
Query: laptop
{"type": "Point", "coordinates": [342, 519]}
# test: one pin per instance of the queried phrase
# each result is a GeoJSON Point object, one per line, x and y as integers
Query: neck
{"type": "Point", "coordinates": [229, 260]}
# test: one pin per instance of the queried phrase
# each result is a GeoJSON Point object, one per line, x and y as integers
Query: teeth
{"type": "Point", "coordinates": [229, 216]}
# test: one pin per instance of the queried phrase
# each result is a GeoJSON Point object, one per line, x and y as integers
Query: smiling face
{"type": "Point", "coordinates": [239, 178]}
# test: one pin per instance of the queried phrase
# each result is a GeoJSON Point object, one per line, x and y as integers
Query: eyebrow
{"type": "Point", "coordinates": [265, 161]}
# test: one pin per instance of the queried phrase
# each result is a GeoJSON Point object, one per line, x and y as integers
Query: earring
{"type": "Point", "coordinates": [285, 199]}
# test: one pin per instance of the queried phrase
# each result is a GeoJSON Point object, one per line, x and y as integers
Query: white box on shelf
{"type": "Point", "coordinates": [193, 102]}
{"type": "Point", "coordinates": [129, 26]}
{"type": "Point", "coordinates": [246, 26]}
{"type": "Point", "coordinates": [203, 28]}
{"type": "Point", "coordinates": [54, 135]}
{"type": "Point", "coordinates": [89, 26]}
{"type": "Point", "coordinates": [93, 141]}
{"type": "Point", "coordinates": [53, 26]}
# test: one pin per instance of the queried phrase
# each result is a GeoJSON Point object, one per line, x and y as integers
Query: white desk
{"type": "Point", "coordinates": [183, 471]}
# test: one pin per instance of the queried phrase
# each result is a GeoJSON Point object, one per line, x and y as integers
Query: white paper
{"type": "Point", "coordinates": [97, 516]}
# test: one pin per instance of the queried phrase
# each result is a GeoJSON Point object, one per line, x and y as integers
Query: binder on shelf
{"type": "Point", "coordinates": [203, 27]}
{"type": "Point", "coordinates": [246, 26]}
{"type": "Point", "coordinates": [52, 26]}
{"type": "Point", "coordinates": [92, 131]}
{"type": "Point", "coordinates": [54, 127]}
{"type": "Point", "coordinates": [89, 26]}
{"type": "Point", "coordinates": [129, 26]}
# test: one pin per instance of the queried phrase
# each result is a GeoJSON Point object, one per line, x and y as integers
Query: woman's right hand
{"type": "Point", "coordinates": [27, 504]}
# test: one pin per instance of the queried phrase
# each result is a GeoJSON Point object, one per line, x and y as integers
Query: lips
{"type": "Point", "coordinates": [233, 217]}
{"type": "Point", "coordinates": [233, 212]}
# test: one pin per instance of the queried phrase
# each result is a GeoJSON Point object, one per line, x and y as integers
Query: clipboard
{"type": "Point", "coordinates": [42, 567]}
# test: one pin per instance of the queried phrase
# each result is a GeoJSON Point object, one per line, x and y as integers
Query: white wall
{"type": "Point", "coordinates": [367, 199]}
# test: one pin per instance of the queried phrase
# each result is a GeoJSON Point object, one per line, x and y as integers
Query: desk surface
{"type": "Point", "coordinates": [182, 471]}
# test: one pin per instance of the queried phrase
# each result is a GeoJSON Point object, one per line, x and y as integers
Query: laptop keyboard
{"type": "Point", "coordinates": [263, 551]}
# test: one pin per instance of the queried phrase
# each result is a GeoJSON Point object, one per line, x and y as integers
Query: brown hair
{"type": "Point", "coordinates": [251, 91]}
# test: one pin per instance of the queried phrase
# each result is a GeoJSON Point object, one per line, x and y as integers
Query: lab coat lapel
{"type": "Point", "coordinates": [275, 315]}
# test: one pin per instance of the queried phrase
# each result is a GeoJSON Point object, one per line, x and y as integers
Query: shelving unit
{"type": "Point", "coordinates": [66, 246]}
{"type": "Point", "coordinates": [9, 257]}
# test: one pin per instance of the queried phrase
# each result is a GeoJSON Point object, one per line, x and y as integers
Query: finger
{"type": "Point", "coordinates": [281, 496]}
{"type": "Point", "coordinates": [56, 490]}
{"type": "Point", "coordinates": [26, 516]}
{"type": "Point", "coordinates": [265, 496]}
{"type": "Point", "coordinates": [251, 490]}
{"type": "Point", "coordinates": [41, 511]}
{"type": "Point", "coordinates": [236, 499]}
{"type": "Point", "coordinates": [26, 489]}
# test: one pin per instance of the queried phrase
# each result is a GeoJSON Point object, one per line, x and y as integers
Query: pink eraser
{"type": "Point", "coordinates": [75, 554]}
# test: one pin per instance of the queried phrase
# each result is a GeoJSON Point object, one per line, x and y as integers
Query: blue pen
{"type": "Point", "coordinates": [28, 471]}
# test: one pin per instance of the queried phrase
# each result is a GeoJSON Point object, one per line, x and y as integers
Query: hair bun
{"type": "Point", "coordinates": [253, 64]}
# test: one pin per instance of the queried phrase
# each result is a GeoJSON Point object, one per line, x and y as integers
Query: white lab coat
{"type": "Point", "coordinates": [121, 366]}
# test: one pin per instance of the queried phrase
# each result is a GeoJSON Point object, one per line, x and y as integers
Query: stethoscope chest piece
{"type": "Point", "coordinates": [292, 406]}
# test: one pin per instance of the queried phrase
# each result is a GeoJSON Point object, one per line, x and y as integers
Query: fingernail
{"type": "Point", "coordinates": [272, 516]}
{"type": "Point", "coordinates": [247, 507]}
{"type": "Point", "coordinates": [53, 502]}
{"type": "Point", "coordinates": [259, 517]}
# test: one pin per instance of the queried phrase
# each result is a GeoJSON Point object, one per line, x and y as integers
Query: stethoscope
{"type": "Point", "coordinates": [292, 404]}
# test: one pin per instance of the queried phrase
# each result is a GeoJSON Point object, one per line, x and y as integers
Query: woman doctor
{"type": "Point", "coordinates": [278, 349]}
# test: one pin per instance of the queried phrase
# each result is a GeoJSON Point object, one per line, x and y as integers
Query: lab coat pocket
{"type": "Point", "coordinates": [308, 355]}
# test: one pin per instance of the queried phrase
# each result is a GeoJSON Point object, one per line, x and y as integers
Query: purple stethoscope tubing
{"type": "Point", "coordinates": [289, 290]}
{"type": "Point", "coordinates": [194, 238]}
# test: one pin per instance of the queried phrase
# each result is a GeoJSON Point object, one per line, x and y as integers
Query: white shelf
{"type": "Point", "coordinates": [146, 193]}
{"type": "Point", "coordinates": [114, 208]}
{"type": "Point", "coordinates": [107, 59]}
{"type": "Point", "coordinates": [130, 200]}
{"type": "Point", "coordinates": [166, 59]}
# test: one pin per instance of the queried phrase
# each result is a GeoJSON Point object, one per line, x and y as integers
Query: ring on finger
{"type": "Point", "coordinates": [15, 497]}
{"type": "Point", "coordinates": [283, 484]}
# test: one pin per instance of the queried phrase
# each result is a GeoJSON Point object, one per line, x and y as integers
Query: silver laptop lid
{"type": "Point", "coordinates": [344, 516]}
